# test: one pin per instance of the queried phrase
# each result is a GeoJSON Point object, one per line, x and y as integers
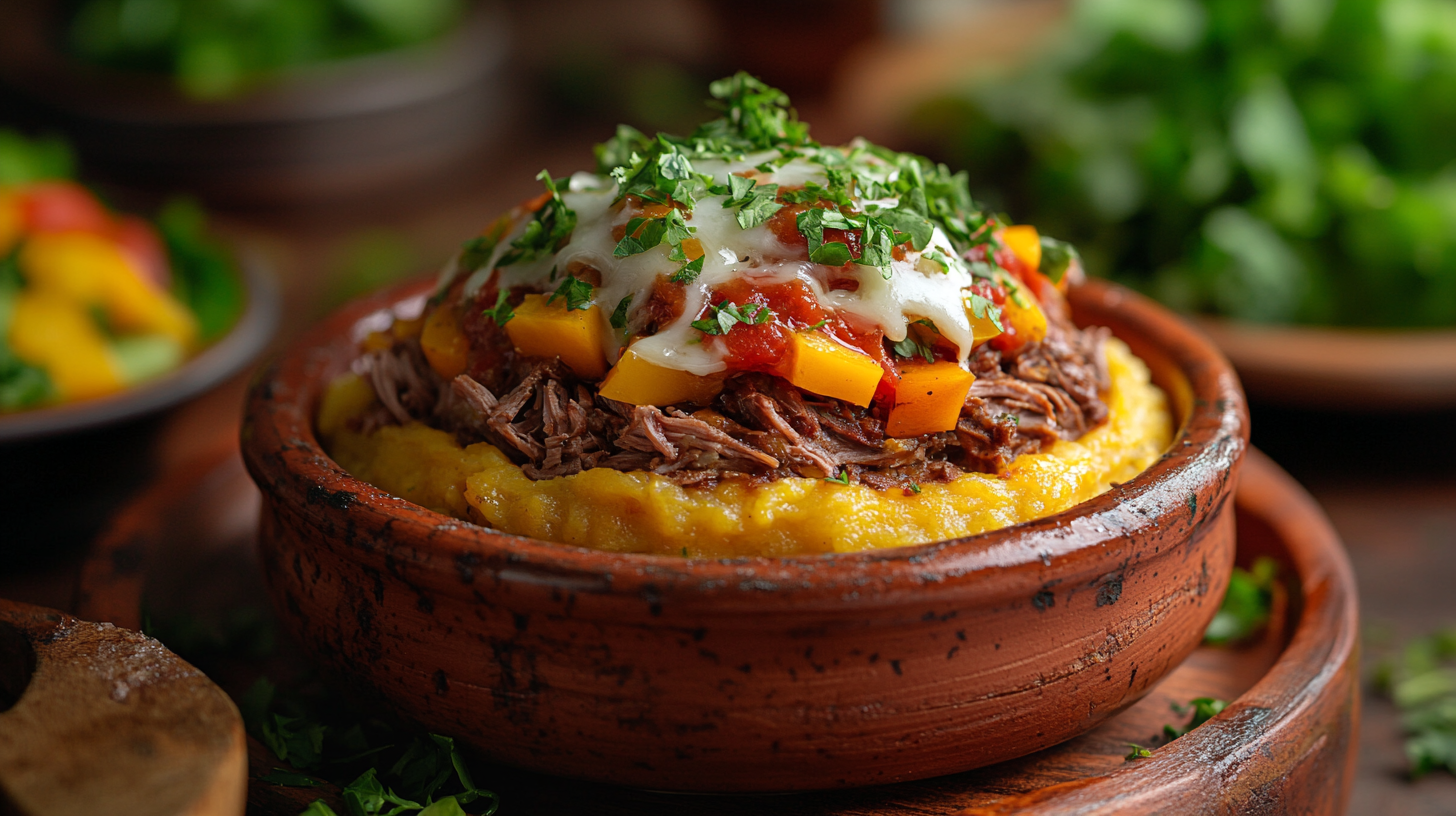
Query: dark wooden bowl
{"type": "Point", "coordinates": [316, 134]}
{"type": "Point", "coordinates": [754, 674]}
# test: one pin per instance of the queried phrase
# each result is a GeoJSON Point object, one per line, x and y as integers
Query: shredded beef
{"type": "Point", "coordinates": [760, 427]}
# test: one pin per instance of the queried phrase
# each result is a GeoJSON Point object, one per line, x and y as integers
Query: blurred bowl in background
{"type": "Point", "coordinates": [1340, 368]}
{"type": "Point", "coordinates": [328, 131]}
{"type": "Point", "coordinates": [66, 467]}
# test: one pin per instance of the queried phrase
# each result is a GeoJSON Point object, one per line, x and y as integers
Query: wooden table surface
{"type": "Point", "coordinates": [1386, 480]}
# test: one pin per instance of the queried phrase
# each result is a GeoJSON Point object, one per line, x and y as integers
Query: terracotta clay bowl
{"type": "Point", "coordinates": [754, 674]}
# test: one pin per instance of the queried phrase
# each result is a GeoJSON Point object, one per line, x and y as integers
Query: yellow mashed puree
{"type": "Point", "coordinates": [646, 513]}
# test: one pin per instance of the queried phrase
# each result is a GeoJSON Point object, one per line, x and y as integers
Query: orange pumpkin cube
{"type": "Point", "coordinates": [818, 364]}
{"type": "Point", "coordinates": [637, 381]}
{"type": "Point", "coordinates": [541, 329]}
{"type": "Point", "coordinates": [928, 398]}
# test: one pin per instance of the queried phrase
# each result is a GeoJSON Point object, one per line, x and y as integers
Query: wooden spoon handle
{"type": "Point", "coordinates": [96, 719]}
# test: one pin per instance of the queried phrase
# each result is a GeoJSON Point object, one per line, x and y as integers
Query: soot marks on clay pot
{"type": "Point", "coordinates": [521, 620]}
{"type": "Point", "coordinates": [336, 499]}
{"type": "Point", "coordinates": [1110, 589]}
{"type": "Point", "coordinates": [895, 666]}
{"type": "Point", "coordinates": [516, 691]}
{"type": "Point", "coordinates": [653, 596]}
{"type": "Point", "coordinates": [465, 564]}
{"type": "Point", "coordinates": [1044, 600]}
{"type": "Point", "coordinates": [442, 683]}
{"type": "Point", "coordinates": [931, 617]}
{"type": "Point", "coordinates": [1133, 678]}
{"type": "Point", "coordinates": [952, 653]}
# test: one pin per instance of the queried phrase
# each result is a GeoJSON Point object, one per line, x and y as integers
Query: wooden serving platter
{"type": "Point", "coordinates": [1286, 743]}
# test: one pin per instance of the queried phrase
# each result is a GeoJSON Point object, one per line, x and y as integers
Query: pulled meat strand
{"type": "Point", "coordinates": [760, 427]}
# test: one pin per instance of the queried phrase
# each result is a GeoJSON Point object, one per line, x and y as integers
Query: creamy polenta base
{"type": "Point", "coordinates": [645, 513]}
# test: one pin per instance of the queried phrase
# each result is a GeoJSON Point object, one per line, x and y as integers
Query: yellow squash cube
{"type": "Point", "coordinates": [639, 382]}
{"type": "Point", "coordinates": [1024, 243]}
{"type": "Point", "coordinates": [444, 344]}
{"type": "Point", "coordinates": [549, 330]}
{"type": "Point", "coordinates": [1028, 321]}
{"type": "Point", "coordinates": [818, 364]}
{"type": "Point", "coordinates": [928, 399]}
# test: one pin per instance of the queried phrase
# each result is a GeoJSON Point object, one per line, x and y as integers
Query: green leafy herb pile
{"type": "Point", "coordinates": [216, 48]}
{"type": "Point", "coordinates": [1281, 161]}
{"type": "Point", "coordinates": [1246, 603]}
{"type": "Point", "coordinates": [423, 775]}
{"type": "Point", "coordinates": [1422, 683]}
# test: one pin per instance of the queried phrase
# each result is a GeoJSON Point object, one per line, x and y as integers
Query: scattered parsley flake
{"type": "Point", "coordinates": [501, 312]}
{"type": "Point", "coordinates": [689, 271]}
{"type": "Point", "coordinates": [619, 314]}
{"type": "Point", "coordinates": [547, 232]}
{"type": "Point", "coordinates": [724, 316]}
{"type": "Point", "coordinates": [842, 478]}
{"type": "Point", "coordinates": [914, 487]}
{"type": "Point", "coordinates": [1421, 682]}
{"type": "Point", "coordinates": [1203, 710]}
{"type": "Point", "coordinates": [821, 324]}
{"type": "Point", "coordinates": [1137, 752]}
{"type": "Point", "coordinates": [1012, 418]}
{"type": "Point", "coordinates": [985, 309]}
{"type": "Point", "coordinates": [577, 293]}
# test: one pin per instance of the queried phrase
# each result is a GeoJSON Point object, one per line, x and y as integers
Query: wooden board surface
{"type": "Point", "coordinates": [201, 562]}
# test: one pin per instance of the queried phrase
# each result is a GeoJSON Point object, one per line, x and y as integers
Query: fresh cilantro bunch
{"type": "Point", "coordinates": [1283, 161]}
{"type": "Point", "coordinates": [1422, 683]}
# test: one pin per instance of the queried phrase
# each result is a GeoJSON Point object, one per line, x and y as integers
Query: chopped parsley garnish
{"type": "Point", "coordinates": [1246, 603]}
{"type": "Point", "coordinates": [577, 293]}
{"type": "Point", "coordinates": [753, 203]}
{"type": "Point", "coordinates": [914, 488]}
{"type": "Point", "coordinates": [501, 312]}
{"type": "Point", "coordinates": [1011, 418]}
{"type": "Point", "coordinates": [689, 271]}
{"type": "Point", "coordinates": [1203, 708]}
{"type": "Point", "coordinates": [823, 321]}
{"type": "Point", "coordinates": [619, 314]}
{"type": "Point", "coordinates": [547, 232]}
{"type": "Point", "coordinates": [1056, 258]}
{"type": "Point", "coordinates": [1137, 752]}
{"type": "Point", "coordinates": [842, 478]}
{"type": "Point", "coordinates": [724, 316]}
{"type": "Point", "coordinates": [911, 347]}
{"type": "Point", "coordinates": [645, 233]}
{"type": "Point", "coordinates": [985, 309]}
{"type": "Point", "coordinates": [476, 252]}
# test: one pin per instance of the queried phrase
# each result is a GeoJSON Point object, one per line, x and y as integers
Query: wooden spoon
{"type": "Point", "coordinates": [96, 719]}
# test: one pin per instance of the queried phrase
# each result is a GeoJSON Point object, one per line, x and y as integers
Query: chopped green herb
{"type": "Point", "coordinates": [547, 232]}
{"type": "Point", "coordinates": [1011, 418]}
{"type": "Point", "coordinates": [318, 808]}
{"type": "Point", "coordinates": [842, 478]}
{"type": "Point", "coordinates": [476, 252]}
{"type": "Point", "coordinates": [21, 384]}
{"type": "Point", "coordinates": [724, 316]}
{"type": "Point", "coordinates": [914, 488]}
{"type": "Point", "coordinates": [822, 322]}
{"type": "Point", "coordinates": [1137, 752]}
{"type": "Point", "coordinates": [577, 293]}
{"type": "Point", "coordinates": [645, 233]}
{"type": "Point", "coordinates": [911, 348]}
{"type": "Point", "coordinates": [1056, 258]}
{"type": "Point", "coordinates": [754, 203]}
{"type": "Point", "coordinates": [1203, 710]}
{"type": "Point", "coordinates": [1246, 603]}
{"type": "Point", "coordinates": [685, 552]}
{"type": "Point", "coordinates": [501, 312]}
{"type": "Point", "coordinates": [619, 314]}
{"type": "Point", "coordinates": [689, 271]}
{"type": "Point", "coordinates": [985, 309]}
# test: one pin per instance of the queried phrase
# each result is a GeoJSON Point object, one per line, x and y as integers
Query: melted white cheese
{"type": "Point", "coordinates": [914, 290]}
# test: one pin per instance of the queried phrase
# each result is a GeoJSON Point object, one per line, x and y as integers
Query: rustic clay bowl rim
{"type": "Point", "coordinates": [226, 356]}
{"type": "Point", "coordinates": [1205, 451]}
